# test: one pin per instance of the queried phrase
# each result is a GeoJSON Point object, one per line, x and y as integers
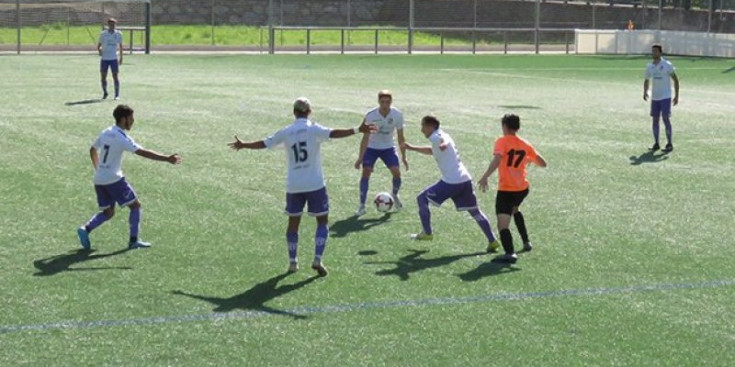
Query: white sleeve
{"type": "Point", "coordinates": [399, 120]}
{"type": "Point", "coordinates": [321, 132]}
{"type": "Point", "coordinates": [275, 140]}
{"type": "Point", "coordinates": [648, 73]}
{"type": "Point", "coordinates": [130, 145]}
{"type": "Point", "coordinates": [97, 143]}
{"type": "Point", "coordinates": [672, 69]}
{"type": "Point", "coordinates": [435, 138]}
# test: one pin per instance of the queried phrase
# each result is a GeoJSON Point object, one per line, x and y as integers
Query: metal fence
{"type": "Point", "coordinates": [347, 25]}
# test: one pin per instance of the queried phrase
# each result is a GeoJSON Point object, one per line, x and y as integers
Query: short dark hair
{"type": "Point", "coordinates": [431, 120]}
{"type": "Point", "coordinates": [658, 46]}
{"type": "Point", "coordinates": [513, 122]}
{"type": "Point", "coordinates": [301, 114]}
{"type": "Point", "coordinates": [121, 111]}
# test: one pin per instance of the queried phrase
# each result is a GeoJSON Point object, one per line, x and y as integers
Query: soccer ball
{"type": "Point", "coordinates": [383, 202]}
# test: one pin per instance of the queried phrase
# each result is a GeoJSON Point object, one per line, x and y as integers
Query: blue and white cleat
{"type": "Point", "coordinates": [138, 244]}
{"type": "Point", "coordinates": [84, 238]}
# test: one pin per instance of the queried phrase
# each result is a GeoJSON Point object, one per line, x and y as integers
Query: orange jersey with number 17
{"type": "Point", "coordinates": [515, 154]}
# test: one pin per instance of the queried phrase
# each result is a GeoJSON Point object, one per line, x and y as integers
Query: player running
{"type": "Point", "coordinates": [511, 155]}
{"type": "Point", "coordinates": [455, 183]}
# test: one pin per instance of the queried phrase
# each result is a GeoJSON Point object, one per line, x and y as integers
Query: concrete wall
{"type": "Point", "coordinates": [639, 42]}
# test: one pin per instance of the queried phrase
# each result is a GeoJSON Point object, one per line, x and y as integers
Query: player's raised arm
{"type": "Point", "coordinates": [150, 154]}
{"type": "Point", "coordinates": [343, 133]}
{"type": "Point", "coordinates": [401, 140]}
{"type": "Point", "coordinates": [539, 161]}
{"type": "Point", "coordinates": [482, 183]}
{"type": "Point", "coordinates": [363, 148]}
{"type": "Point", "coordinates": [239, 144]}
{"type": "Point", "coordinates": [423, 150]}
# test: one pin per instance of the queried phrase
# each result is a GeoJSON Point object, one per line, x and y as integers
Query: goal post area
{"type": "Point", "coordinates": [52, 25]}
{"type": "Point", "coordinates": [637, 42]}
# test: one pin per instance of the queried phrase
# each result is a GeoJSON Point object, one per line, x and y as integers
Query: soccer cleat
{"type": "Point", "coordinates": [293, 267]}
{"type": "Point", "coordinates": [320, 268]}
{"type": "Point", "coordinates": [397, 205]}
{"type": "Point", "coordinates": [104, 95]}
{"type": "Point", "coordinates": [527, 247]}
{"type": "Point", "coordinates": [361, 210]}
{"type": "Point", "coordinates": [655, 147]}
{"type": "Point", "coordinates": [422, 237]}
{"type": "Point", "coordinates": [507, 258]}
{"type": "Point", "coordinates": [138, 244]}
{"type": "Point", "coordinates": [117, 98]}
{"type": "Point", "coordinates": [493, 247]}
{"type": "Point", "coordinates": [668, 148]}
{"type": "Point", "coordinates": [84, 237]}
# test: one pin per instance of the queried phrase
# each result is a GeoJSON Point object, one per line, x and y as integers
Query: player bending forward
{"type": "Point", "coordinates": [455, 184]}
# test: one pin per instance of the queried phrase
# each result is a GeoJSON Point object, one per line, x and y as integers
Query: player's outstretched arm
{"type": "Point", "coordinates": [422, 150]}
{"type": "Point", "coordinates": [343, 133]}
{"type": "Point", "coordinates": [482, 183]}
{"type": "Point", "coordinates": [361, 152]}
{"type": "Point", "coordinates": [150, 154]}
{"type": "Point", "coordinates": [239, 144]}
{"type": "Point", "coordinates": [401, 140]}
{"type": "Point", "coordinates": [540, 161]}
{"type": "Point", "coordinates": [94, 156]}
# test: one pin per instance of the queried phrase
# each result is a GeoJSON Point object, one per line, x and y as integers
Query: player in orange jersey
{"type": "Point", "coordinates": [511, 155]}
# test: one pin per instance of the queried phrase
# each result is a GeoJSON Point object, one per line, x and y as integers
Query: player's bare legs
{"type": "Point", "coordinates": [292, 239]}
{"type": "Point", "coordinates": [320, 243]}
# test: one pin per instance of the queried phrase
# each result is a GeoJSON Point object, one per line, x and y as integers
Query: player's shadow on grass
{"type": "Point", "coordinates": [354, 223]}
{"type": "Point", "coordinates": [649, 156]}
{"type": "Point", "coordinates": [254, 299]}
{"type": "Point", "coordinates": [487, 269]}
{"type": "Point", "coordinates": [729, 70]}
{"type": "Point", "coordinates": [413, 262]}
{"type": "Point", "coordinates": [84, 101]}
{"type": "Point", "coordinates": [58, 263]}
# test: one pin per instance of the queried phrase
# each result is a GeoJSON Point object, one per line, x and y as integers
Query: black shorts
{"type": "Point", "coordinates": [507, 200]}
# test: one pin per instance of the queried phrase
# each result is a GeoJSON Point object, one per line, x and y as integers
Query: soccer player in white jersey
{"type": "Point", "coordinates": [661, 72]}
{"type": "Point", "coordinates": [109, 183]}
{"type": "Point", "coordinates": [455, 183]}
{"type": "Point", "coordinates": [108, 46]}
{"type": "Point", "coordinates": [380, 145]}
{"type": "Point", "coordinates": [304, 179]}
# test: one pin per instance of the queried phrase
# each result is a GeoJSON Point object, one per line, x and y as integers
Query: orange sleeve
{"type": "Point", "coordinates": [499, 147]}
